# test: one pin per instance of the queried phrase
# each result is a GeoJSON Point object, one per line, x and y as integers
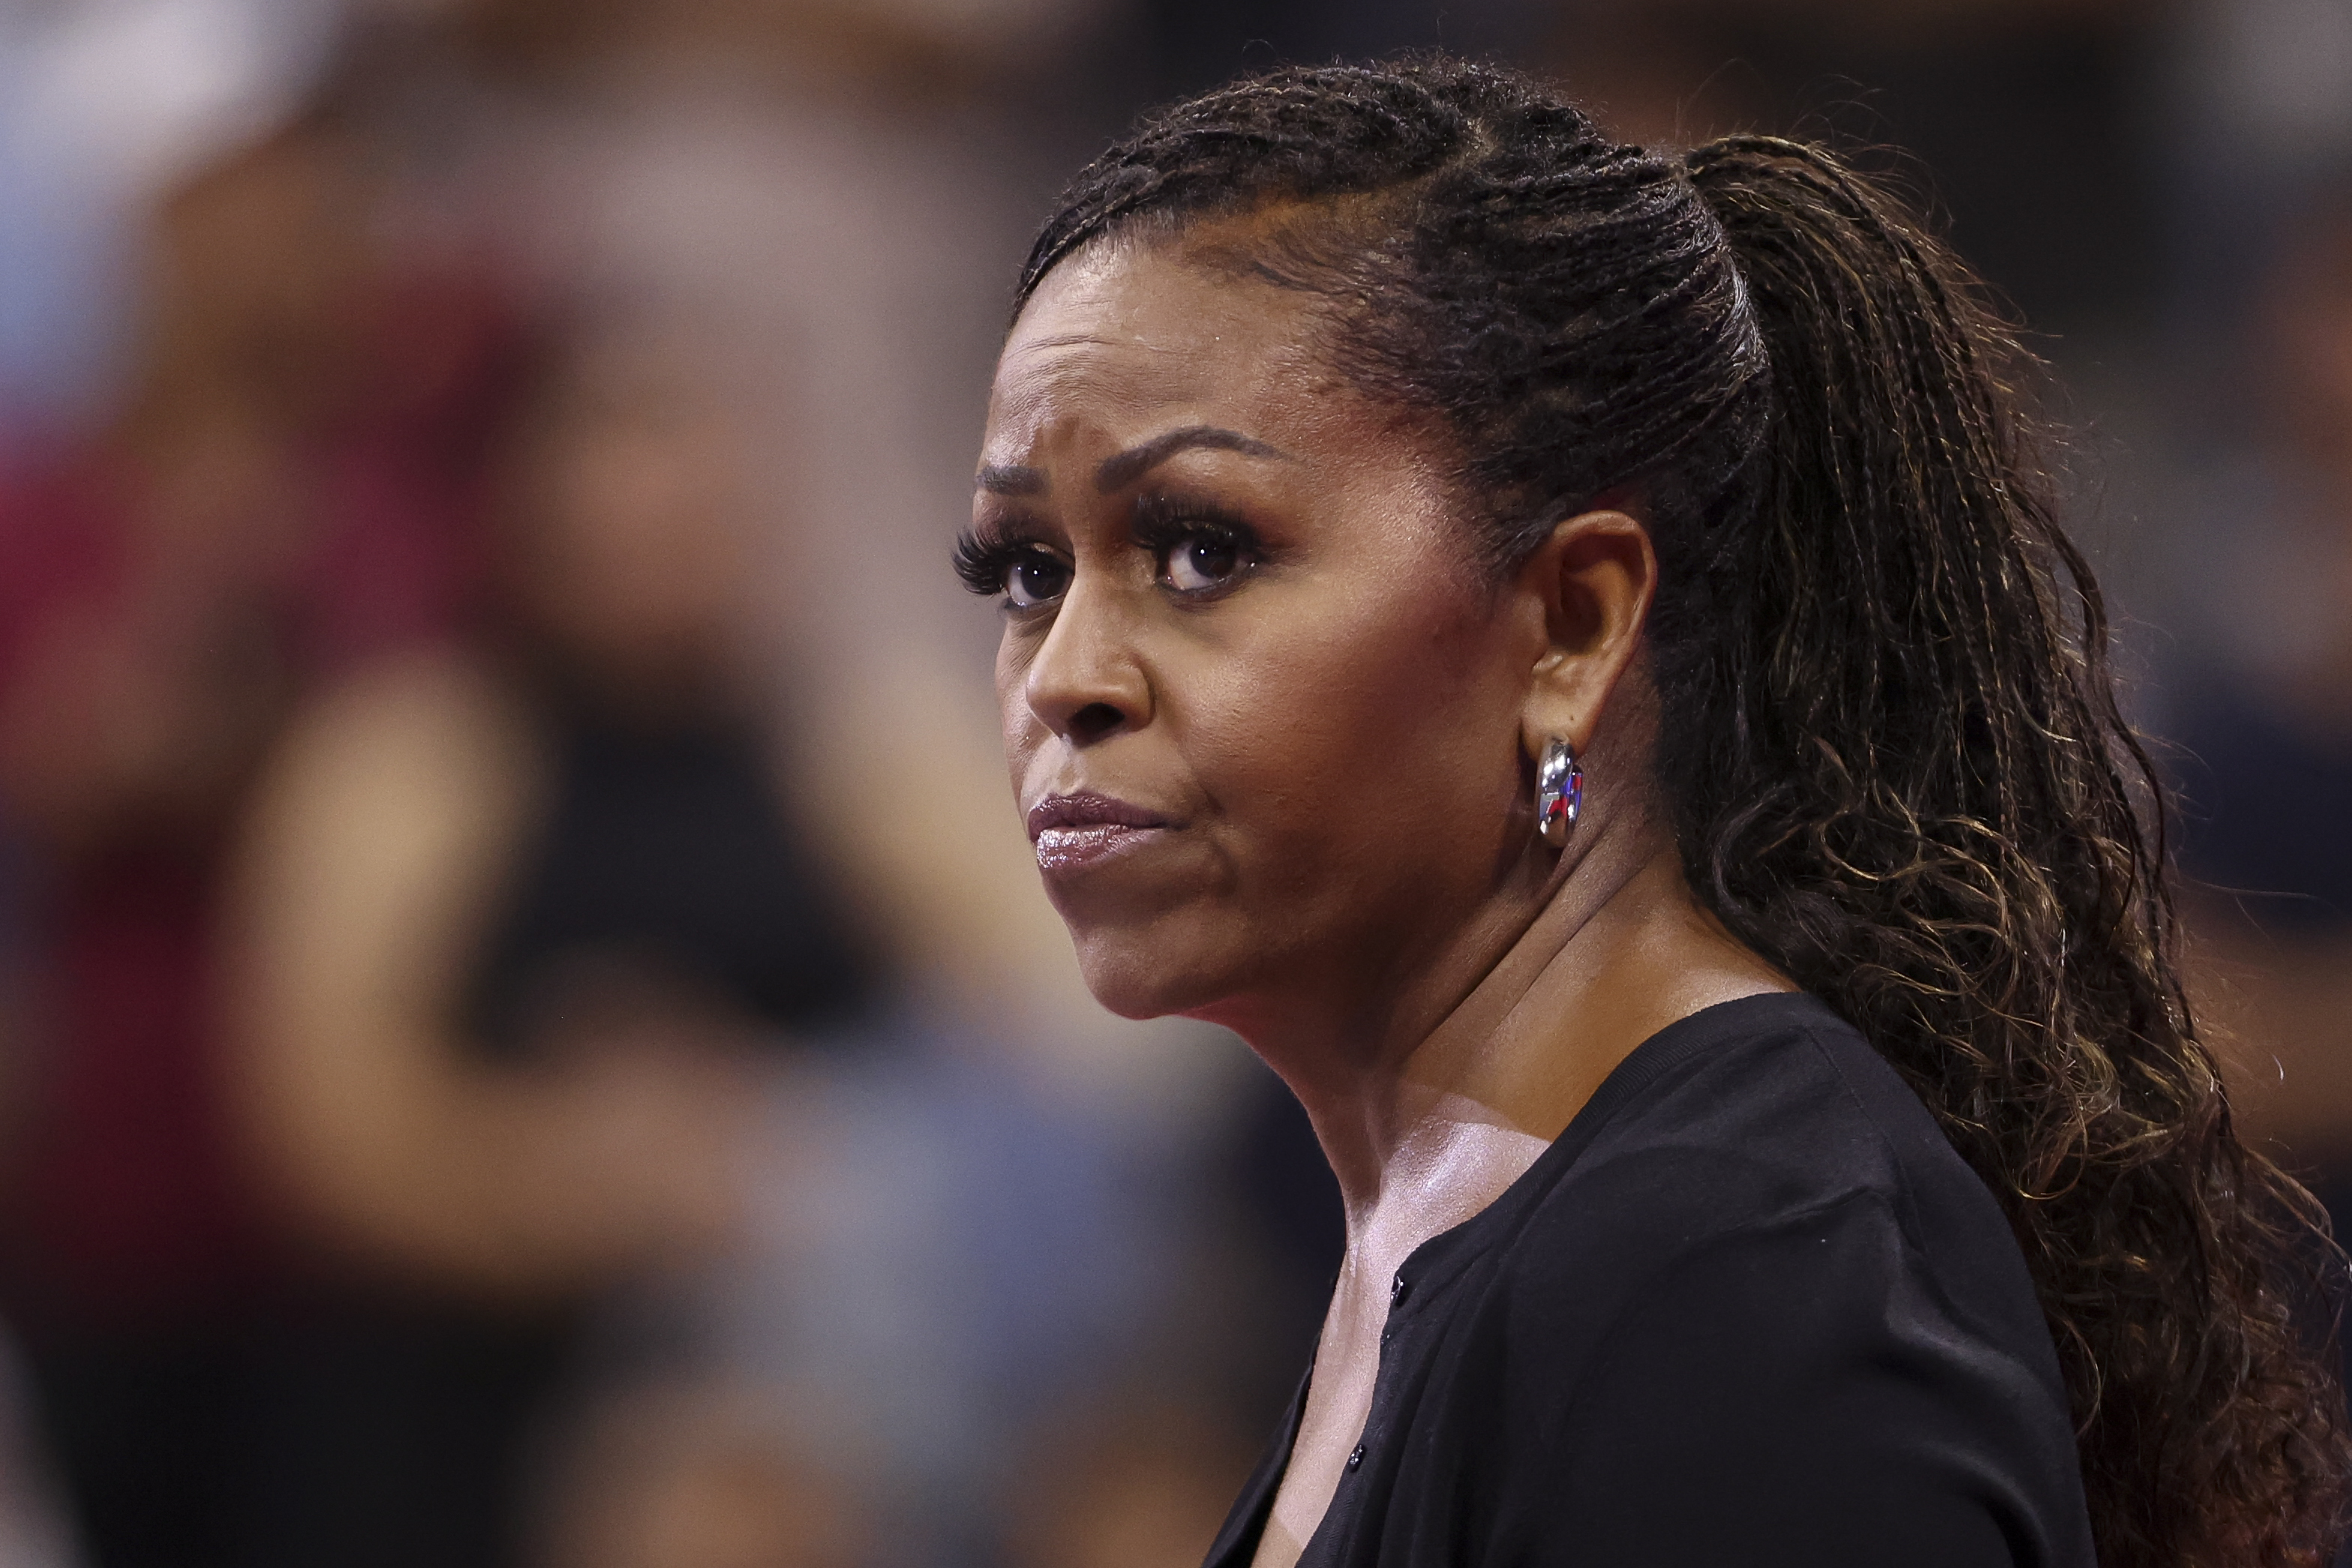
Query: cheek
{"type": "Point", "coordinates": [1352, 746]}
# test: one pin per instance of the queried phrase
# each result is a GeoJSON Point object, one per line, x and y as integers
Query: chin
{"type": "Point", "coordinates": [1143, 971]}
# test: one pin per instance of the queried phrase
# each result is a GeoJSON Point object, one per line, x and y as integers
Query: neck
{"type": "Point", "coordinates": [1466, 1070]}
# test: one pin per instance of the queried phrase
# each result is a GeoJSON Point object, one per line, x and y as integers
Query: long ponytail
{"type": "Point", "coordinates": [1912, 787]}
{"type": "Point", "coordinates": [1895, 762]}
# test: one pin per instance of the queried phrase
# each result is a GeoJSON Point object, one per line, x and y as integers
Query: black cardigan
{"type": "Point", "coordinates": [1749, 1309]}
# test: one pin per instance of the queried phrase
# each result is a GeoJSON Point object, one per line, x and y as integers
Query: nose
{"type": "Point", "coordinates": [1085, 683]}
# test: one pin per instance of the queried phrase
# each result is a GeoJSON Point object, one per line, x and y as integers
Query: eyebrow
{"type": "Point", "coordinates": [1119, 472]}
{"type": "Point", "coordinates": [1012, 479]}
{"type": "Point", "coordinates": [1123, 470]}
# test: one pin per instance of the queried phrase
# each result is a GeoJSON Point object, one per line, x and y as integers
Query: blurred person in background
{"type": "Point", "coordinates": [518, 911]}
{"type": "Point", "coordinates": [287, 490]}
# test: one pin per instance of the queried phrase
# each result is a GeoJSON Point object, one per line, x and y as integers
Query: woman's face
{"type": "Point", "coordinates": [635, 544]}
{"type": "Point", "coordinates": [1262, 709]}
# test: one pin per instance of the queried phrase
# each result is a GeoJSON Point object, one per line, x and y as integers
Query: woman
{"type": "Point", "coordinates": [518, 914]}
{"type": "Point", "coordinates": [1566, 651]}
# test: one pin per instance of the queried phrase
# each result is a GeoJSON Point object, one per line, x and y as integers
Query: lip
{"type": "Point", "coordinates": [1072, 832]}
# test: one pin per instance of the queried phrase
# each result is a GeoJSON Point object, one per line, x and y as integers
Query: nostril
{"type": "Point", "coordinates": [1095, 721]}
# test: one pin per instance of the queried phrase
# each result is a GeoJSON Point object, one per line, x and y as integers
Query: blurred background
{"type": "Point", "coordinates": [528, 1033]}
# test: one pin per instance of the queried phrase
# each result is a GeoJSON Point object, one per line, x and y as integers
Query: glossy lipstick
{"type": "Point", "coordinates": [1072, 832]}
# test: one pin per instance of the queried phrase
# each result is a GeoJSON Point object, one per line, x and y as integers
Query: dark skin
{"type": "Point", "coordinates": [1243, 609]}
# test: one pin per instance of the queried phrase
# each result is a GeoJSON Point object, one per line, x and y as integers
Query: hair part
{"type": "Point", "coordinates": [1897, 768]}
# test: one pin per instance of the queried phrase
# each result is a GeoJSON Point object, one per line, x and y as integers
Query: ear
{"type": "Point", "coordinates": [1594, 577]}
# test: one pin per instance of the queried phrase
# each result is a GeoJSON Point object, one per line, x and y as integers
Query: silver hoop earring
{"type": "Point", "coordinates": [1559, 792]}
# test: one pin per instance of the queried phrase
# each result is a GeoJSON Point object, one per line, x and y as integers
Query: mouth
{"type": "Point", "coordinates": [1074, 831]}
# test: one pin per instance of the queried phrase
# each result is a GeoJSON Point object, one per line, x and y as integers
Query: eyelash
{"type": "Point", "coordinates": [983, 562]}
{"type": "Point", "coordinates": [1162, 523]}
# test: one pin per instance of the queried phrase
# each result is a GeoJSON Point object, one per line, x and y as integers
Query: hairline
{"type": "Point", "coordinates": [1237, 254]}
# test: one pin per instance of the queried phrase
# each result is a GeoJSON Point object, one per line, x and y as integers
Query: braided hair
{"type": "Point", "coordinates": [1895, 765]}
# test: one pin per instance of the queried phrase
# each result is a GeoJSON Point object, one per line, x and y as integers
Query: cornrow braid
{"type": "Point", "coordinates": [1896, 766]}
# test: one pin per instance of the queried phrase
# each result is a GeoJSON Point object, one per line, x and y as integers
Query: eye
{"type": "Point", "coordinates": [1035, 579]}
{"type": "Point", "coordinates": [1201, 561]}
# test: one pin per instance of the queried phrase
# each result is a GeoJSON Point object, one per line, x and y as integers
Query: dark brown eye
{"type": "Point", "coordinates": [1202, 561]}
{"type": "Point", "coordinates": [1035, 579]}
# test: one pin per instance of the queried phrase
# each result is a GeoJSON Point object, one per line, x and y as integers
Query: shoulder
{"type": "Point", "coordinates": [1769, 1122]}
{"type": "Point", "coordinates": [433, 730]}
{"type": "Point", "coordinates": [1768, 1274]}
{"type": "Point", "coordinates": [1762, 1169]}
{"type": "Point", "coordinates": [392, 801]}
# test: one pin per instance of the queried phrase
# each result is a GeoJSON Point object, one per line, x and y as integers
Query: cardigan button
{"type": "Point", "coordinates": [1356, 1459]}
{"type": "Point", "coordinates": [1397, 1287]}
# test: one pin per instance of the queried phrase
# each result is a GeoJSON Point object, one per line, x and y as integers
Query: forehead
{"type": "Point", "coordinates": [1126, 335]}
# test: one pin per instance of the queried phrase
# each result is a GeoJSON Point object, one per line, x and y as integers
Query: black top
{"type": "Point", "coordinates": [668, 850]}
{"type": "Point", "coordinates": [1749, 1307]}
